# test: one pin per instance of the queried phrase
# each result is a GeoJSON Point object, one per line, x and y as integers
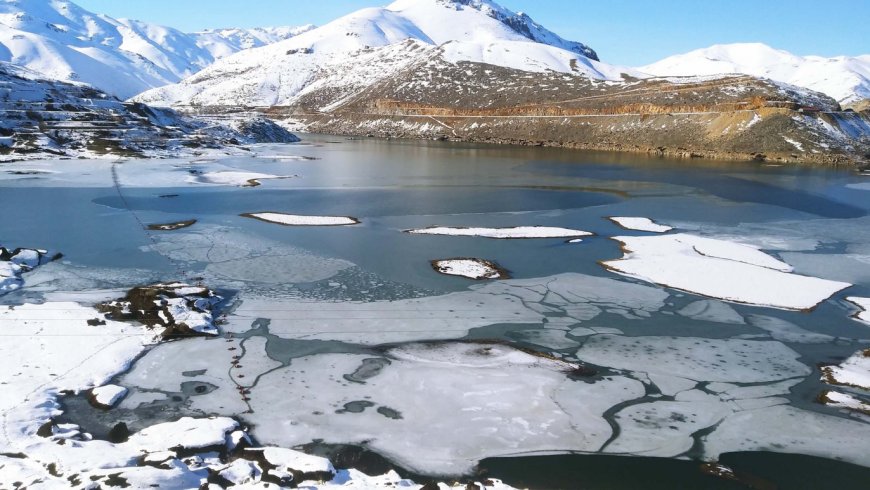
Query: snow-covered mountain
{"type": "Point", "coordinates": [846, 79]}
{"type": "Point", "coordinates": [358, 50]}
{"type": "Point", "coordinates": [63, 41]}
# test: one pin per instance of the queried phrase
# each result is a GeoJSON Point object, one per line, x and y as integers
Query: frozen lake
{"type": "Point", "coordinates": [339, 332]}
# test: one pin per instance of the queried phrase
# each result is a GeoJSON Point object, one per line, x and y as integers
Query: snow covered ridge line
{"type": "Point", "coordinates": [14, 263]}
{"type": "Point", "coordinates": [180, 309]}
{"type": "Point", "coordinates": [720, 269]}
{"type": "Point", "coordinates": [477, 269]}
{"type": "Point", "coordinates": [519, 232]}
{"type": "Point", "coordinates": [302, 220]}
{"type": "Point", "coordinates": [124, 57]}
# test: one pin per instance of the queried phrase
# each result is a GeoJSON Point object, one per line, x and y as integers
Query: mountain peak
{"type": "Point", "coordinates": [520, 23]}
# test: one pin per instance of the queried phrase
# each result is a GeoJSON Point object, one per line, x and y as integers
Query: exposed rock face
{"type": "Point", "coordinates": [737, 117]}
{"type": "Point", "coordinates": [524, 25]}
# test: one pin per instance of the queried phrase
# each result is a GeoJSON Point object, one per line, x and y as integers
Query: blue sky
{"type": "Point", "coordinates": [627, 32]}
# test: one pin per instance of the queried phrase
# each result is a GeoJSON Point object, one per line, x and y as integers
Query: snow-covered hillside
{"type": "Point", "coordinates": [42, 118]}
{"type": "Point", "coordinates": [366, 46]}
{"type": "Point", "coordinates": [63, 41]}
{"type": "Point", "coordinates": [846, 79]}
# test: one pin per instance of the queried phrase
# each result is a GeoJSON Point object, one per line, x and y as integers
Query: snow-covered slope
{"type": "Point", "coordinates": [63, 41]}
{"type": "Point", "coordinates": [42, 118]}
{"type": "Point", "coordinates": [846, 79]}
{"type": "Point", "coordinates": [363, 48]}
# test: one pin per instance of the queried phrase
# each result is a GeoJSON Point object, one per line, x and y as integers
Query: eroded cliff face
{"type": "Point", "coordinates": [736, 117]}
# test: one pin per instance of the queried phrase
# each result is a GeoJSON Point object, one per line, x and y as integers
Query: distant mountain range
{"type": "Point", "coordinates": [844, 78]}
{"type": "Point", "coordinates": [355, 51]}
{"type": "Point", "coordinates": [63, 41]}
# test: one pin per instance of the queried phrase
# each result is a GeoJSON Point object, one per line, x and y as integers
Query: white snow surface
{"type": "Point", "coordinates": [236, 178]}
{"type": "Point", "coordinates": [124, 57]}
{"type": "Point", "coordinates": [640, 224]}
{"type": "Point", "coordinates": [846, 79]}
{"type": "Point", "coordinates": [359, 49]}
{"type": "Point", "coordinates": [503, 233]}
{"type": "Point", "coordinates": [108, 395]}
{"type": "Point", "coordinates": [53, 349]}
{"type": "Point", "coordinates": [843, 400]}
{"type": "Point", "coordinates": [302, 220]}
{"type": "Point", "coordinates": [720, 269]}
{"type": "Point", "coordinates": [470, 268]}
{"type": "Point", "coordinates": [854, 371]}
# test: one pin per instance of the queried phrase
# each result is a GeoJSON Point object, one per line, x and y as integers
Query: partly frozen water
{"type": "Point", "coordinates": [346, 335]}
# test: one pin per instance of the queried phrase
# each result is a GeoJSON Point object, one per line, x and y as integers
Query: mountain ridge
{"type": "Point", "coordinates": [845, 78]}
{"type": "Point", "coordinates": [63, 41]}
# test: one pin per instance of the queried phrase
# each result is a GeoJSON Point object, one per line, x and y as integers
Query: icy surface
{"type": "Point", "coordinates": [720, 269]}
{"type": "Point", "coordinates": [503, 233]}
{"type": "Point", "coordinates": [299, 220]}
{"type": "Point", "coordinates": [576, 297]}
{"type": "Point", "coordinates": [640, 224]}
{"type": "Point", "coordinates": [744, 361]}
{"type": "Point", "coordinates": [512, 402]}
{"type": "Point", "coordinates": [789, 430]}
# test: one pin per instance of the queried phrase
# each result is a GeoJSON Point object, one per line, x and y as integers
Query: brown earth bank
{"type": "Point", "coordinates": [731, 117]}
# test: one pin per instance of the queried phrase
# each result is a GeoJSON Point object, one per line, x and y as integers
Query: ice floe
{"type": "Point", "coordinates": [726, 360]}
{"type": "Point", "coordinates": [62, 347]}
{"type": "Point", "coordinates": [843, 400]}
{"type": "Point", "coordinates": [712, 311]}
{"type": "Point", "coordinates": [477, 269]}
{"type": "Point", "coordinates": [235, 178]}
{"type": "Point", "coordinates": [640, 224]}
{"type": "Point", "coordinates": [300, 220]}
{"type": "Point", "coordinates": [237, 258]}
{"type": "Point", "coordinates": [503, 233]}
{"type": "Point", "coordinates": [511, 402]}
{"type": "Point", "coordinates": [854, 371]}
{"type": "Point", "coordinates": [785, 331]}
{"type": "Point", "coordinates": [787, 429]}
{"type": "Point", "coordinates": [720, 269]}
{"type": "Point", "coordinates": [567, 298]}
{"type": "Point", "coordinates": [107, 396]}
{"type": "Point", "coordinates": [864, 305]}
